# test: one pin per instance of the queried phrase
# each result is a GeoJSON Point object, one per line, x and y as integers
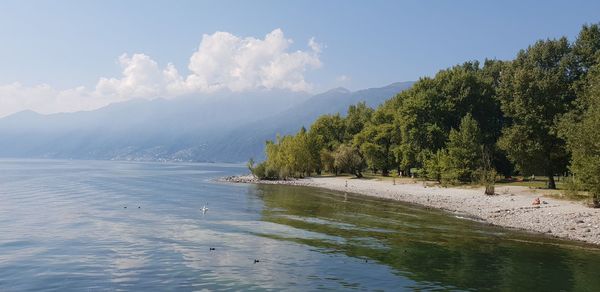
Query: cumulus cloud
{"type": "Point", "coordinates": [227, 61]}
{"type": "Point", "coordinates": [222, 61]}
{"type": "Point", "coordinates": [141, 78]}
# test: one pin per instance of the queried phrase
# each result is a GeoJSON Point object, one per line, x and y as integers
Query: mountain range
{"type": "Point", "coordinates": [225, 127]}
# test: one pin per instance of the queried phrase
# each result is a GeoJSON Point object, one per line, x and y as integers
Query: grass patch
{"type": "Point", "coordinates": [571, 196]}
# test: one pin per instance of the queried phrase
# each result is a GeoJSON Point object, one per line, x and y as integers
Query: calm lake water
{"type": "Point", "coordinates": [63, 227]}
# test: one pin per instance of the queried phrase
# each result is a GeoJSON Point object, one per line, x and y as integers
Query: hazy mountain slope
{"type": "Point", "coordinates": [248, 141]}
{"type": "Point", "coordinates": [226, 127]}
{"type": "Point", "coordinates": [139, 129]}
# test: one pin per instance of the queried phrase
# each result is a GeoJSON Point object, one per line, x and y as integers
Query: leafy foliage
{"type": "Point", "coordinates": [376, 140]}
{"type": "Point", "coordinates": [535, 90]}
{"type": "Point", "coordinates": [349, 160]}
{"type": "Point", "coordinates": [434, 106]}
{"type": "Point", "coordinates": [330, 129]}
{"type": "Point", "coordinates": [536, 114]}
{"type": "Point", "coordinates": [356, 119]}
{"type": "Point", "coordinates": [462, 157]}
{"type": "Point", "coordinates": [582, 133]}
{"type": "Point", "coordinates": [464, 152]}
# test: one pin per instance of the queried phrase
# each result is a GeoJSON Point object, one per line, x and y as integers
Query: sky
{"type": "Point", "coordinates": [64, 56]}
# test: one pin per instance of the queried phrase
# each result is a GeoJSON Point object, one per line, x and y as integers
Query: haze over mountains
{"type": "Point", "coordinates": [227, 127]}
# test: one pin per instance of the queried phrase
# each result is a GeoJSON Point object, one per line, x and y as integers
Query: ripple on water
{"type": "Point", "coordinates": [63, 226]}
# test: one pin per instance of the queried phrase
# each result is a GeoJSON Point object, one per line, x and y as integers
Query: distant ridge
{"type": "Point", "coordinates": [227, 128]}
{"type": "Point", "coordinates": [248, 140]}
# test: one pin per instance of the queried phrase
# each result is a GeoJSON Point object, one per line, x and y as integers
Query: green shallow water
{"type": "Point", "coordinates": [432, 247]}
{"type": "Point", "coordinates": [63, 227]}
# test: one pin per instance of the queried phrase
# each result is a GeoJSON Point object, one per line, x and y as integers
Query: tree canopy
{"type": "Point", "coordinates": [535, 114]}
{"type": "Point", "coordinates": [582, 132]}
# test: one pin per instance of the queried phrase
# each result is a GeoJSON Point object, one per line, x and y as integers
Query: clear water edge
{"type": "Point", "coordinates": [64, 226]}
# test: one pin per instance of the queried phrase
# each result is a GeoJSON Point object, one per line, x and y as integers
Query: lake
{"type": "Point", "coordinates": [106, 226]}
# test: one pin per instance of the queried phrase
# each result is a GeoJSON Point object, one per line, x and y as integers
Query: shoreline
{"type": "Point", "coordinates": [511, 207]}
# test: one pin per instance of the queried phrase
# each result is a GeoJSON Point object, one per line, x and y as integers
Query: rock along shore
{"type": "Point", "coordinates": [512, 207]}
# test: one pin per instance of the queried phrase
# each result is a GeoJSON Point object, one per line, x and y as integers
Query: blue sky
{"type": "Point", "coordinates": [69, 44]}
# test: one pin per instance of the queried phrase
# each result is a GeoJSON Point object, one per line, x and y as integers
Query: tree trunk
{"type": "Point", "coordinates": [358, 173]}
{"type": "Point", "coordinates": [551, 183]}
{"type": "Point", "coordinates": [385, 172]}
{"type": "Point", "coordinates": [595, 202]}
{"type": "Point", "coordinates": [550, 174]}
{"type": "Point", "coordinates": [490, 190]}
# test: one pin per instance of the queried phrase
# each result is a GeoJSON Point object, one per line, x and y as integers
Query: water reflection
{"type": "Point", "coordinates": [428, 246]}
{"type": "Point", "coordinates": [63, 226]}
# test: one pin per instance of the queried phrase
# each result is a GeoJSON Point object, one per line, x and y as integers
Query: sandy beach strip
{"type": "Point", "coordinates": [511, 207]}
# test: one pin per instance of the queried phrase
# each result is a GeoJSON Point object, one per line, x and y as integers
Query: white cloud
{"type": "Point", "coordinates": [222, 61]}
{"type": "Point", "coordinates": [43, 98]}
{"type": "Point", "coordinates": [227, 61]}
{"type": "Point", "coordinates": [141, 78]}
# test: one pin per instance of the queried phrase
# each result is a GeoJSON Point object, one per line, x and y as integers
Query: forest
{"type": "Point", "coordinates": [538, 114]}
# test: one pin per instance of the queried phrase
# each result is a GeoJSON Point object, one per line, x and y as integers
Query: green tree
{"type": "Point", "coordinates": [328, 161]}
{"type": "Point", "coordinates": [303, 160]}
{"type": "Point", "coordinates": [314, 143]}
{"type": "Point", "coordinates": [330, 130]}
{"type": "Point", "coordinates": [434, 165]}
{"type": "Point", "coordinates": [433, 106]}
{"type": "Point", "coordinates": [586, 48]}
{"type": "Point", "coordinates": [349, 160]}
{"type": "Point", "coordinates": [250, 164]}
{"type": "Point", "coordinates": [463, 152]}
{"type": "Point", "coordinates": [259, 170]}
{"type": "Point", "coordinates": [535, 90]}
{"type": "Point", "coordinates": [356, 119]}
{"type": "Point", "coordinates": [582, 132]}
{"type": "Point", "coordinates": [273, 166]}
{"type": "Point", "coordinates": [376, 141]}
